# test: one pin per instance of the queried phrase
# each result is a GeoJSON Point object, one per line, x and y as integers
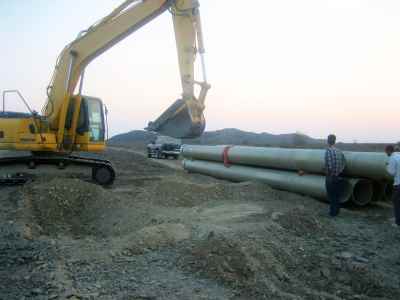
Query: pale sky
{"type": "Point", "coordinates": [314, 66]}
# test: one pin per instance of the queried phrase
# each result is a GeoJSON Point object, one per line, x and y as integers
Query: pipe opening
{"type": "Point", "coordinates": [346, 192]}
{"type": "Point", "coordinates": [362, 192]}
{"type": "Point", "coordinates": [379, 189]}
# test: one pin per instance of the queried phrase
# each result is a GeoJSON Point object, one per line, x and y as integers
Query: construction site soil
{"type": "Point", "coordinates": [161, 233]}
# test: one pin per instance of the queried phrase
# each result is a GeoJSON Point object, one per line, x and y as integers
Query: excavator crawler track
{"type": "Point", "coordinates": [15, 179]}
{"type": "Point", "coordinates": [103, 172]}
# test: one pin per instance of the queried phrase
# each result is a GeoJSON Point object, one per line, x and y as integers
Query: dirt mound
{"type": "Point", "coordinates": [341, 273]}
{"type": "Point", "coordinates": [176, 192]}
{"type": "Point", "coordinates": [132, 164]}
{"type": "Point", "coordinates": [222, 259]}
{"type": "Point", "coordinates": [155, 237]}
{"type": "Point", "coordinates": [299, 221]}
{"type": "Point", "coordinates": [239, 262]}
{"type": "Point", "coordinates": [66, 205]}
{"type": "Point", "coordinates": [275, 267]}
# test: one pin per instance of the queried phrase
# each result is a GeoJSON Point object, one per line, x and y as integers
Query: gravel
{"type": "Point", "coordinates": [160, 233]}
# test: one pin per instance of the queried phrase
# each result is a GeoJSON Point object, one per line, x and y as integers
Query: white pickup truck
{"type": "Point", "coordinates": [163, 151]}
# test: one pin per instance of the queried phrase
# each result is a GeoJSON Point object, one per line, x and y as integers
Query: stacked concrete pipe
{"type": "Point", "coordinates": [366, 175]}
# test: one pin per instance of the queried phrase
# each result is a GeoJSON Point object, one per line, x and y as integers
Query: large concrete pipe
{"type": "Point", "coordinates": [359, 164]}
{"type": "Point", "coordinates": [360, 191]}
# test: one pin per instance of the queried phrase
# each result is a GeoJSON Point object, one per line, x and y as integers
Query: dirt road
{"type": "Point", "coordinates": [160, 233]}
{"type": "Point", "coordinates": [171, 163]}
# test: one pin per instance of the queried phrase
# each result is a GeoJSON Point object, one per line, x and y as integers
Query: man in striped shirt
{"type": "Point", "coordinates": [334, 166]}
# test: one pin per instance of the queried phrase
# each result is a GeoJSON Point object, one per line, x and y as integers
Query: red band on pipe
{"type": "Point", "coordinates": [225, 156]}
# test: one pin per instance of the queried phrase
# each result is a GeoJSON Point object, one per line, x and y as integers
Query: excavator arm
{"type": "Point", "coordinates": [185, 117]}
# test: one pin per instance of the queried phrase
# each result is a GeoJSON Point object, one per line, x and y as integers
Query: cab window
{"type": "Point", "coordinates": [96, 120]}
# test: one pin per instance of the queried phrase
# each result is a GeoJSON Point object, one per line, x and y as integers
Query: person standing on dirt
{"type": "Point", "coordinates": [393, 168]}
{"type": "Point", "coordinates": [334, 165]}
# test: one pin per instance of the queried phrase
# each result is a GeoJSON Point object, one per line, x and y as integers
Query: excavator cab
{"type": "Point", "coordinates": [90, 130]}
{"type": "Point", "coordinates": [93, 119]}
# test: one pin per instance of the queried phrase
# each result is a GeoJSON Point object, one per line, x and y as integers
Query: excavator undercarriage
{"type": "Point", "coordinates": [102, 171]}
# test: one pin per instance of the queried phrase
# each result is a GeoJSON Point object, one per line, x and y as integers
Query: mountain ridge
{"type": "Point", "coordinates": [223, 136]}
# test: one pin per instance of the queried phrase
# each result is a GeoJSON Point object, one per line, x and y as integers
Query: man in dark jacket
{"type": "Point", "coordinates": [334, 165]}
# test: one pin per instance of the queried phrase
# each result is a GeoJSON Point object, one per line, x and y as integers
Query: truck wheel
{"type": "Point", "coordinates": [103, 175]}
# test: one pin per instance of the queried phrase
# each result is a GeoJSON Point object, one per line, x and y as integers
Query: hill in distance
{"type": "Point", "coordinates": [133, 137]}
{"type": "Point", "coordinates": [228, 136]}
{"type": "Point", "coordinates": [233, 136]}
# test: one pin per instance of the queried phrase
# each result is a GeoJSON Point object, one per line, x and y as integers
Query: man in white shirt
{"type": "Point", "coordinates": [393, 169]}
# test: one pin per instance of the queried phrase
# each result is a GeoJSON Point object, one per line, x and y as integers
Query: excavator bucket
{"type": "Point", "coordinates": [183, 119]}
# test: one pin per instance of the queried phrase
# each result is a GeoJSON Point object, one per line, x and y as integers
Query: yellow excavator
{"type": "Point", "coordinates": [71, 122]}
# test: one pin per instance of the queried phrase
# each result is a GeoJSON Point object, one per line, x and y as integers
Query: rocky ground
{"type": "Point", "coordinates": [160, 233]}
